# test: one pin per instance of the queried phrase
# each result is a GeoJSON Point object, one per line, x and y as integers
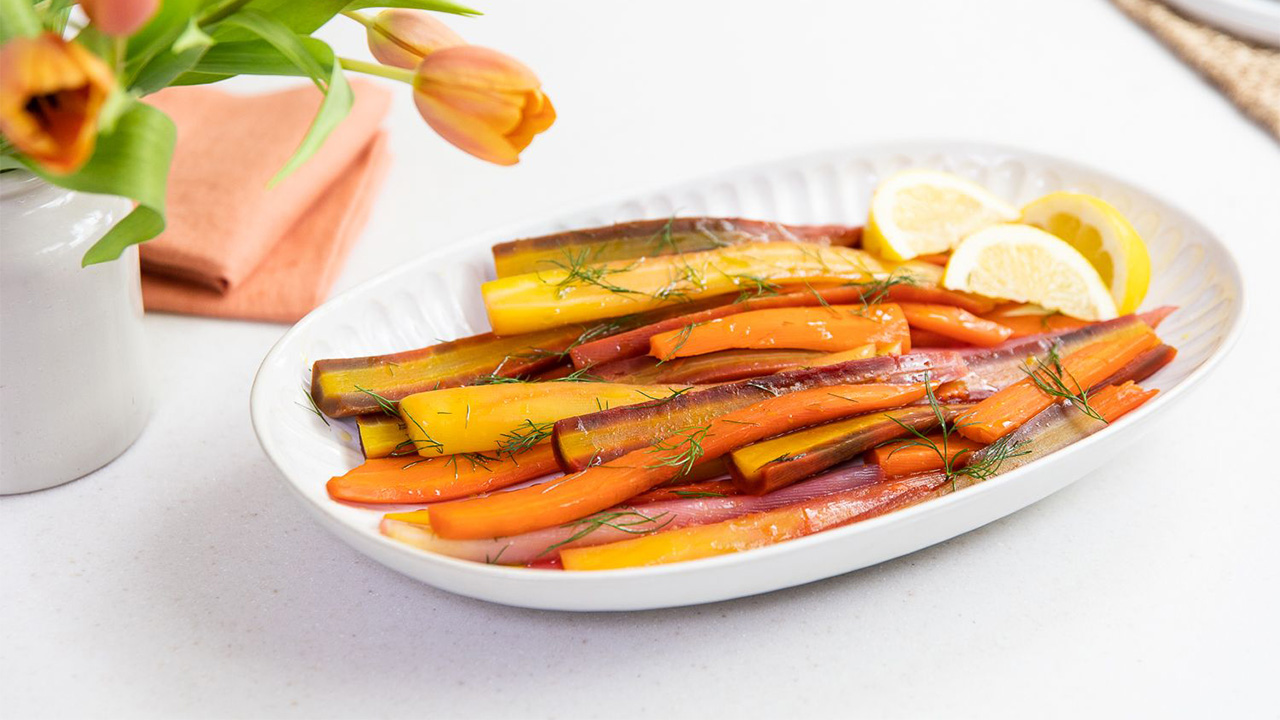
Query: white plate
{"type": "Point", "coordinates": [1257, 20]}
{"type": "Point", "coordinates": [437, 297]}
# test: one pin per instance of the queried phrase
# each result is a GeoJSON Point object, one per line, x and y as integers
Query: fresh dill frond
{"type": "Point", "coordinates": [952, 466]}
{"type": "Point", "coordinates": [494, 559]}
{"type": "Point", "coordinates": [821, 300]}
{"type": "Point", "coordinates": [696, 494]}
{"type": "Point", "coordinates": [656, 401]}
{"type": "Point", "coordinates": [313, 407]}
{"type": "Point", "coordinates": [681, 338]}
{"type": "Point", "coordinates": [580, 271]}
{"type": "Point", "coordinates": [876, 291]}
{"type": "Point", "coordinates": [754, 286]}
{"type": "Point", "coordinates": [388, 406]}
{"type": "Point", "coordinates": [683, 449]}
{"type": "Point", "coordinates": [1055, 380]}
{"type": "Point", "coordinates": [761, 386]}
{"type": "Point", "coordinates": [664, 244]}
{"type": "Point", "coordinates": [523, 437]}
{"type": "Point", "coordinates": [628, 521]}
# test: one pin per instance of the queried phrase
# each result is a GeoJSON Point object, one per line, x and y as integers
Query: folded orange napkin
{"type": "Point", "coordinates": [233, 247]}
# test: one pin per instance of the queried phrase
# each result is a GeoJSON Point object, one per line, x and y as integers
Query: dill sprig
{"type": "Point", "coordinates": [656, 401]}
{"type": "Point", "coordinates": [313, 407]}
{"type": "Point", "coordinates": [494, 560]}
{"type": "Point", "coordinates": [994, 454]}
{"type": "Point", "coordinates": [663, 240]}
{"type": "Point", "coordinates": [523, 437]}
{"type": "Point", "coordinates": [683, 449]}
{"type": "Point", "coordinates": [683, 280]}
{"type": "Point", "coordinates": [628, 521]}
{"type": "Point", "coordinates": [1055, 380]}
{"type": "Point", "coordinates": [681, 339]}
{"type": "Point", "coordinates": [754, 286]}
{"type": "Point", "coordinates": [876, 291]}
{"type": "Point", "coordinates": [580, 271]}
{"type": "Point", "coordinates": [696, 494]}
{"type": "Point", "coordinates": [393, 409]}
{"type": "Point", "coordinates": [388, 406]}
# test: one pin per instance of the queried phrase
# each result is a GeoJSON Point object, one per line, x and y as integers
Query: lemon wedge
{"type": "Point", "coordinates": [1027, 264]}
{"type": "Point", "coordinates": [916, 212]}
{"type": "Point", "coordinates": [1103, 236]}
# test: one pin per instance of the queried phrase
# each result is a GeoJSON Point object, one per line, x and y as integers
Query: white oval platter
{"type": "Point", "coordinates": [437, 296]}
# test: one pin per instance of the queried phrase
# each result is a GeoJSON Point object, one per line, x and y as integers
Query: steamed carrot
{"type": "Point", "coordinates": [926, 339]}
{"type": "Point", "coordinates": [1114, 401]}
{"type": "Point", "coordinates": [709, 488]}
{"type": "Point", "coordinates": [935, 258]}
{"type": "Point", "coordinates": [955, 323]}
{"type": "Point", "coordinates": [829, 329]}
{"type": "Point", "coordinates": [905, 458]}
{"type": "Point", "coordinates": [576, 496]}
{"type": "Point", "coordinates": [445, 477]}
{"type": "Point", "coordinates": [758, 530]}
{"type": "Point", "coordinates": [1008, 409]}
{"type": "Point", "coordinates": [975, 304]}
{"type": "Point", "coordinates": [1025, 325]}
{"type": "Point", "coordinates": [382, 435]}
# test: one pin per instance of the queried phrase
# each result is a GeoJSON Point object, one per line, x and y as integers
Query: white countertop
{"type": "Point", "coordinates": [185, 580]}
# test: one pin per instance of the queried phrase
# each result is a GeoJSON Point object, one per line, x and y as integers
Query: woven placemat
{"type": "Point", "coordinates": [1248, 74]}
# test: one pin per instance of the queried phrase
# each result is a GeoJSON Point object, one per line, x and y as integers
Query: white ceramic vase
{"type": "Point", "coordinates": [73, 359]}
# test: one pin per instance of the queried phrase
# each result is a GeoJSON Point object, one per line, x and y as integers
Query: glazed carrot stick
{"type": "Point", "coordinates": [709, 488]}
{"type": "Point", "coordinates": [905, 458]}
{"type": "Point", "coordinates": [382, 435]}
{"type": "Point", "coordinates": [575, 496]}
{"type": "Point", "coordinates": [935, 258]}
{"type": "Point", "coordinates": [830, 329]}
{"type": "Point", "coordinates": [1025, 325]}
{"type": "Point", "coordinates": [1008, 409]}
{"type": "Point", "coordinates": [446, 477]}
{"type": "Point", "coordinates": [926, 339]}
{"type": "Point", "coordinates": [1114, 401]}
{"type": "Point", "coordinates": [975, 304]}
{"type": "Point", "coordinates": [955, 323]}
{"type": "Point", "coordinates": [760, 529]}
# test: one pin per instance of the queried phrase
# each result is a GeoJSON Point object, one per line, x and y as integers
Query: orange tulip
{"type": "Point", "coordinates": [50, 94]}
{"type": "Point", "coordinates": [483, 102]}
{"type": "Point", "coordinates": [119, 17]}
{"type": "Point", "coordinates": [402, 38]}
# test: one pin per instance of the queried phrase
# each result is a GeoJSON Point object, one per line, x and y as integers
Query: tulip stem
{"type": "Point", "coordinates": [358, 18]}
{"type": "Point", "coordinates": [392, 73]}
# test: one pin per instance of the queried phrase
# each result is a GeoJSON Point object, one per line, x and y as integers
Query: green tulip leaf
{"type": "Point", "coordinates": [18, 18]}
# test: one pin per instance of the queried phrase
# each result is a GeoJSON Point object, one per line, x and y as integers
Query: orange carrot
{"type": "Point", "coordinates": [1114, 401]}
{"type": "Point", "coordinates": [975, 304]}
{"type": "Point", "coordinates": [447, 477]}
{"type": "Point", "coordinates": [934, 258]}
{"type": "Point", "coordinates": [955, 323]}
{"type": "Point", "coordinates": [829, 329]}
{"type": "Point", "coordinates": [709, 488]}
{"type": "Point", "coordinates": [1024, 325]}
{"type": "Point", "coordinates": [926, 339]}
{"type": "Point", "coordinates": [904, 458]}
{"type": "Point", "coordinates": [576, 496]}
{"type": "Point", "coordinates": [1009, 408]}
{"type": "Point", "coordinates": [760, 529]}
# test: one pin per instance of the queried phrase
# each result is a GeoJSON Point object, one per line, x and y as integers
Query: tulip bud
{"type": "Point", "coordinates": [50, 94]}
{"type": "Point", "coordinates": [402, 38]}
{"type": "Point", "coordinates": [120, 17]}
{"type": "Point", "coordinates": [483, 102]}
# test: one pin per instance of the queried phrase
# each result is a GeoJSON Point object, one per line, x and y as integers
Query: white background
{"type": "Point", "coordinates": [184, 579]}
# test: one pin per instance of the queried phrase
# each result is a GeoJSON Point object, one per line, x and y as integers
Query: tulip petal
{"type": "Point", "coordinates": [477, 67]}
{"type": "Point", "coordinates": [402, 38]}
{"type": "Point", "coordinates": [464, 132]}
{"type": "Point", "coordinates": [50, 94]}
{"type": "Point", "coordinates": [538, 116]}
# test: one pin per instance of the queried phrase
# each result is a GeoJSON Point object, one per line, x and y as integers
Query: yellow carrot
{"type": "Point", "coordinates": [578, 290]}
{"type": "Point", "coordinates": [509, 416]}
